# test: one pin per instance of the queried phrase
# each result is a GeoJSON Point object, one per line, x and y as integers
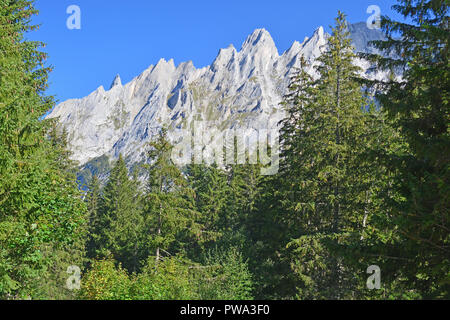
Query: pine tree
{"type": "Point", "coordinates": [322, 188]}
{"type": "Point", "coordinates": [268, 227]}
{"type": "Point", "coordinates": [417, 104]}
{"type": "Point", "coordinates": [39, 203]}
{"type": "Point", "coordinates": [210, 191]}
{"type": "Point", "coordinates": [120, 228]}
{"type": "Point", "coordinates": [169, 206]}
{"type": "Point", "coordinates": [245, 186]}
{"type": "Point", "coordinates": [93, 199]}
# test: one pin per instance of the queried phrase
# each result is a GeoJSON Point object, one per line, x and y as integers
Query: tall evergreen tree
{"type": "Point", "coordinates": [39, 205]}
{"type": "Point", "coordinates": [417, 104]}
{"type": "Point", "coordinates": [245, 186]}
{"type": "Point", "coordinates": [210, 191]}
{"type": "Point", "coordinates": [93, 199]}
{"type": "Point", "coordinates": [323, 191]}
{"type": "Point", "coordinates": [120, 228]}
{"type": "Point", "coordinates": [169, 206]}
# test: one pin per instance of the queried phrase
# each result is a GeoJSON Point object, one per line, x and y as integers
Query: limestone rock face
{"type": "Point", "coordinates": [240, 89]}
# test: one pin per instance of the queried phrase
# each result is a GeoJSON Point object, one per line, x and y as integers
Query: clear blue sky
{"type": "Point", "coordinates": [126, 37]}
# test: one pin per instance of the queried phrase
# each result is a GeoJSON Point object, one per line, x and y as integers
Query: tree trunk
{"type": "Point", "coordinates": [158, 254]}
{"type": "Point", "coordinates": [338, 142]}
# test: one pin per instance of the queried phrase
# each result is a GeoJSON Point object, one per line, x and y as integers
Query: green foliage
{"type": "Point", "coordinates": [169, 207]}
{"type": "Point", "coordinates": [224, 276]}
{"type": "Point", "coordinates": [326, 185]}
{"type": "Point", "coordinates": [105, 282]}
{"type": "Point", "coordinates": [40, 206]}
{"type": "Point", "coordinates": [417, 105]}
{"type": "Point", "coordinates": [170, 279]}
{"type": "Point", "coordinates": [117, 223]}
{"type": "Point", "coordinates": [210, 187]}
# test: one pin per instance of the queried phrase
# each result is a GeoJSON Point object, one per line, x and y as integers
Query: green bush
{"type": "Point", "coordinates": [224, 277]}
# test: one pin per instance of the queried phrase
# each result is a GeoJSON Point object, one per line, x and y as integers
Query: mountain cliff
{"type": "Point", "coordinates": [240, 89]}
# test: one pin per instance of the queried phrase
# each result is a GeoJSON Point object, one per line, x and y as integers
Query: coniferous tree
{"type": "Point", "coordinates": [417, 223]}
{"type": "Point", "coordinates": [323, 201]}
{"type": "Point", "coordinates": [93, 199]}
{"type": "Point", "coordinates": [210, 191]}
{"type": "Point", "coordinates": [168, 202]}
{"type": "Point", "coordinates": [245, 225]}
{"type": "Point", "coordinates": [39, 203]}
{"type": "Point", "coordinates": [121, 229]}
{"type": "Point", "coordinates": [245, 186]}
{"type": "Point", "coordinates": [270, 224]}
{"type": "Point", "coordinates": [224, 276]}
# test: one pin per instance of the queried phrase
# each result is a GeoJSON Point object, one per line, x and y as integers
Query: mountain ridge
{"type": "Point", "coordinates": [239, 89]}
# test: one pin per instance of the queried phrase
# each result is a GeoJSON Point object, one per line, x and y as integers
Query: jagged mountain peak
{"type": "Point", "coordinates": [186, 66]}
{"type": "Point", "coordinates": [319, 36]}
{"type": "Point", "coordinates": [99, 90]}
{"type": "Point", "coordinates": [294, 49]}
{"type": "Point", "coordinates": [116, 82]}
{"type": "Point", "coordinates": [224, 57]}
{"type": "Point", "coordinates": [320, 32]}
{"type": "Point", "coordinates": [259, 37]}
{"type": "Point", "coordinates": [163, 64]}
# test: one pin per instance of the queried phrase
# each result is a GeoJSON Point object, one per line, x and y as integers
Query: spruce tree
{"type": "Point", "coordinates": [51, 285]}
{"type": "Point", "coordinates": [121, 222]}
{"type": "Point", "coordinates": [93, 199]}
{"type": "Point", "coordinates": [168, 202]}
{"type": "Point", "coordinates": [322, 189]}
{"type": "Point", "coordinates": [417, 104]}
{"type": "Point", "coordinates": [39, 204]}
{"type": "Point", "coordinates": [210, 191]}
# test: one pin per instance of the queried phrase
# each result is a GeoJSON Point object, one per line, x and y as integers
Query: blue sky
{"type": "Point", "coordinates": [125, 37]}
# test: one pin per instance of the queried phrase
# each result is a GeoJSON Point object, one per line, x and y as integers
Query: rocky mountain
{"type": "Point", "coordinates": [240, 89]}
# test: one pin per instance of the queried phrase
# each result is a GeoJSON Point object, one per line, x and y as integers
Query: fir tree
{"type": "Point", "coordinates": [324, 190]}
{"type": "Point", "coordinates": [39, 203]}
{"type": "Point", "coordinates": [51, 285]}
{"type": "Point", "coordinates": [121, 222]}
{"type": "Point", "coordinates": [93, 199]}
{"type": "Point", "coordinates": [169, 206]}
{"type": "Point", "coordinates": [210, 187]}
{"type": "Point", "coordinates": [417, 103]}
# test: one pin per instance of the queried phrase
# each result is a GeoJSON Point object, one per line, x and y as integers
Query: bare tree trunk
{"type": "Point", "coordinates": [158, 254]}
{"type": "Point", "coordinates": [366, 213]}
